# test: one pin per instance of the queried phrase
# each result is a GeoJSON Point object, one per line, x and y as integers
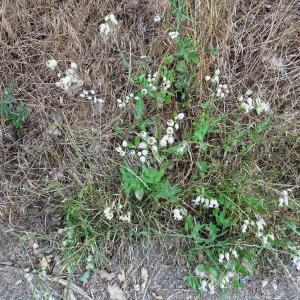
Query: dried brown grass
{"type": "Point", "coordinates": [259, 49]}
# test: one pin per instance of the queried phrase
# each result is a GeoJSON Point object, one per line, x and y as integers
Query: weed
{"type": "Point", "coordinates": [15, 115]}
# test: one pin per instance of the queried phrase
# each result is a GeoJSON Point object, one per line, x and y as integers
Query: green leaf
{"type": "Point", "coordinates": [168, 59]}
{"type": "Point", "coordinates": [85, 276]}
{"type": "Point", "coordinates": [152, 175]}
{"type": "Point", "coordinates": [181, 67]}
{"type": "Point", "coordinates": [163, 190]}
{"type": "Point", "coordinates": [241, 269]}
{"type": "Point", "coordinates": [139, 193]}
{"type": "Point", "coordinates": [188, 225]}
{"type": "Point", "coordinates": [193, 282]}
{"type": "Point", "coordinates": [194, 57]}
{"type": "Point", "coordinates": [139, 108]}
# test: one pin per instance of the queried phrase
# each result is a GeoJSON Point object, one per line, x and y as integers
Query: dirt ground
{"type": "Point", "coordinates": [164, 279]}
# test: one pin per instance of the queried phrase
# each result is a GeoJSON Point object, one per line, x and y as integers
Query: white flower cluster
{"type": "Point", "coordinates": [109, 214]}
{"type": "Point", "coordinates": [71, 76]}
{"type": "Point", "coordinates": [105, 27]}
{"type": "Point", "coordinates": [284, 199]}
{"type": "Point", "coordinates": [126, 217]}
{"type": "Point", "coordinates": [157, 18]}
{"type": "Point", "coordinates": [151, 79]}
{"type": "Point", "coordinates": [259, 224]}
{"type": "Point", "coordinates": [209, 284]}
{"type": "Point", "coordinates": [221, 89]}
{"type": "Point", "coordinates": [179, 213]}
{"type": "Point", "coordinates": [91, 95]}
{"type": "Point", "coordinates": [266, 237]}
{"type": "Point", "coordinates": [296, 262]}
{"type": "Point", "coordinates": [226, 255]}
{"type": "Point", "coordinates": [121, 149]}
{"type": "Point", "coordinates": [168, 138]}
{"type": "Point", "coordinates": [51, 64]}
{"type": "Point", "coordinates": [122, 103]}
{"type": "Point", "coordinates": [208, 203]}
{"type": "Point", "coordinates": [166, 84]}
{"type": "Point", "coordinates": [248, 104]}
{"type": "Point", "coordinates": [226, 279]}
{"type": "Point", "coordinates": [173, 35]}
{"type": "Point", "coordinates": [149, 142]}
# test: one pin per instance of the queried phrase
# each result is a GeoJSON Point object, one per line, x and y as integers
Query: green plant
{"type": "Point", "coordinates": [15, 115]}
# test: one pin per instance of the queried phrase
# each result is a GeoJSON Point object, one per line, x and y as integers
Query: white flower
{"type": "Point", "coordinates": [245, 226]}
{"type": "Point", "coordinates": [262, 106]}
{"type": "Point", "coordinates": [82, 95]}
{"type": "Point", "coordinates": [171, 140]}
{"type": "Point", "coordinates": [144, 91]}
{"type": "Point", "coordinates": [119, 101]}
{"type": "Point", "coordinates": [177, 214]}
{"type": "Point", "coordinates": [217, 72]}
{"type": "Point", "coordinates": [247, 106]}
{"type": "Point", "coordinates": [234, 253]}
{"type": "Point", "coordinates": [170, 130]}
{"type": "Point", "coordinates": [173, 35]}
{"type": "Point", "coordinates": [112, 18]}
{"type": "Point", "coordinates": [154, 148]}
{"type": "Point", "coordinates": [104, 28]}
{"type": "Point", "coordinates": [157, 18]}
{"type": "Point", "coordinates": [203, 285]}
{"type": "Point", "coordinates": [170, 123]}
{"type": "Point", "coordinates": [118, 149]}
{"type": "Point", "coordinates": [139, 153]}
{"type": "Point", "coordinates": [215, 79]}
{"type": "Point", "coordinates": [151, 140]}
{"type": "Point", "coordinates": [221, 257]}
{"type": "Point", "coordinates": [163, 142]}
{"type": "Point", "coordinates": [143, 134]}
{"type": "Point", "coordinates": [198, 200]}
{"type": "Point", "coordinates": [248, 93]}
{"type": "Point", "coordinates": [126, 217]}
{"type": "Point", "coordinates": [80, 82]}
{"type": "Point", "coordinates": [176, 126]}
{"type": "Point", "coordinates": [265, 239]}
{"type": "Point", "coordinates": [74, 65]}
{"type": "Point", "coordinates": [180, 116]}
{"type": "Point", "coordinates": [85, 92]}
{"type": "Point", "coordinates": [92, 92]}
{"type": "Point", "coordinates": [132, 152]}
{"type": "Point", "coordinates": [124, 144]}
{"type": "Point", "coordinates": [241, 98]}
{"type": "Point", "coordinates": [122, 153]}
{"type": "Point", "coordinates": [211, 288]}
{"type": "Point", "coordinates": [227, 256]}
{"type": "Point", "coordinates": [145, 152]}
{"type": "Point", "coordinates": [260, 224]}
{"type": "Point", "coordinates": [108, 213]}
{"type": "Point", "coordinates": [98, 100]}
{"type": "Point", "coordinates": [284, 200]}
{"type": "Point", "coordinates": [207, 78]}
{"type": "Point", "coordinates": [143, 159]}
{"type": "Point", "coordinates": [51, 64]}
{"type": "Point", "coordinates": [213, 203]}
{"type": "Point", "coordinates": [142, 145]}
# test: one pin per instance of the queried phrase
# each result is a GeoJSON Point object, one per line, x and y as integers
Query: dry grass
{"type": "Point", "coordinates": [259, 48]}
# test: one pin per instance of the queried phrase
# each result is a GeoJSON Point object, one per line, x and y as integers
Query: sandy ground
{"type": "Point", "coordinates": [164, 272]}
